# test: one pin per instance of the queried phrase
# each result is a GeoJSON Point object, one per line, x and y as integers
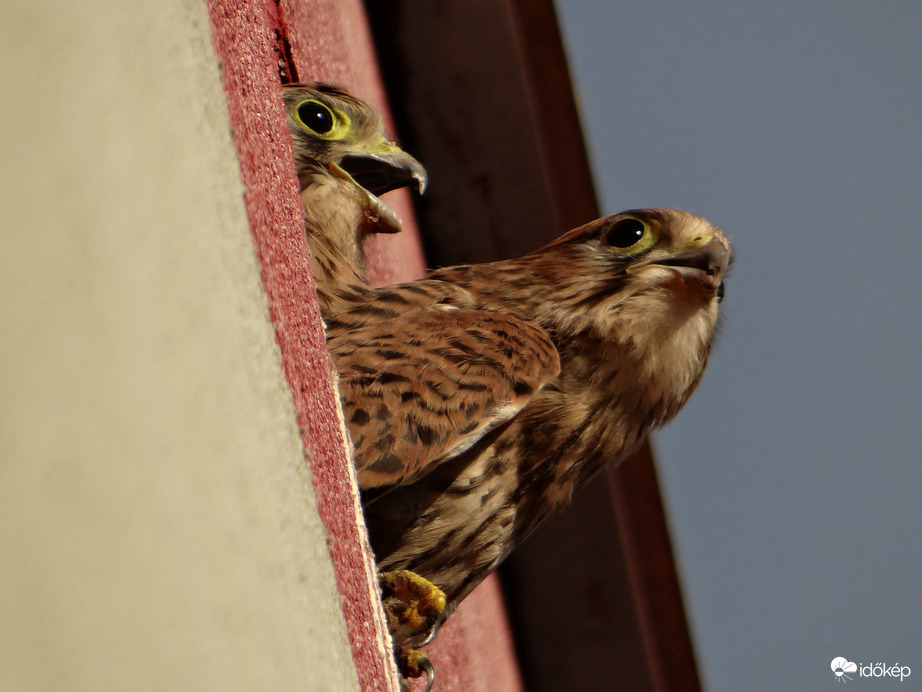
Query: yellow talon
{"type": "Point", "coordinates": [414, 663]}
{"type": "Point", "coordinates": [411, 602]}
{"type": "Point", "coordinates": [413, 605]}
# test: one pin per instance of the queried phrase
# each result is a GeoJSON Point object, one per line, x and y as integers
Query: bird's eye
{"type": "Point", "coordinates": [316, 117]}
{"type": "Point", "coordinates": [625, 233]}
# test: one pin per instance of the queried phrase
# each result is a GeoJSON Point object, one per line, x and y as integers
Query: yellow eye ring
{"type": "Point", "coordinates": [320, 119]}
{"type": "Point", "coordinates": [629, 235]}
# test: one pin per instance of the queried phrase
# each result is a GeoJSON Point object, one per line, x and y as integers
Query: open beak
{"type": "Point", "coordinates": [377, 173]}
{"type": "Point", "coordinates": [382, 172]}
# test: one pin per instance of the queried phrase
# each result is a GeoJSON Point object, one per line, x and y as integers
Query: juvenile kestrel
{"type": "Point", "coordinates": [343, 161]}
{"type": "Point", "coordinates": [481, 397]}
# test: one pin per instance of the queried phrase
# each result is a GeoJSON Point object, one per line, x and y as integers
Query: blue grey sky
{"type": "Point", "coordinates": [793, 476]}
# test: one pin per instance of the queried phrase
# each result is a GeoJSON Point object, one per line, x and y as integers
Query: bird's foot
{"type": "Point", "coordinates": [413, 663]}
{"type": "Point", "coordinates": [413, 606]}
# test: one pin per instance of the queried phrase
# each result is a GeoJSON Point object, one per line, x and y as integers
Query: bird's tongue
{"type": "Point", "coordinates": [378, 217]}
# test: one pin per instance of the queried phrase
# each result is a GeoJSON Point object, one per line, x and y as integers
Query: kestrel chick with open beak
{"type": "Point", "coordinates": [344, 162]}
{"type": "Point", "coordinates": [481, 397]}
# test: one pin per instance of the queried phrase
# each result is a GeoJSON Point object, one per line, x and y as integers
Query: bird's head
{"type": "Point", "coordinates": [647, 282]}
{"type": "Point", "coordinates": [335, 134]}
{"type": "Point", "coordinates": [642, 257]}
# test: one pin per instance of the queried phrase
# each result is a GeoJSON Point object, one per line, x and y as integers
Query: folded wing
{"type": "Point", "coordinates": [421, 385]}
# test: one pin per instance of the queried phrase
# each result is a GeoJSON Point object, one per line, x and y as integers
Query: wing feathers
{"type": "Point", "coordinates": [427, 383]}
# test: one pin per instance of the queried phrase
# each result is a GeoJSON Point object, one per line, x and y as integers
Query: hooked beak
{"type": "Point", "coordinates": [385, 171]}
{"type": "Point", "coordinates": [704, 265]}
{"type": "Point", "coordinates": [376, 173]}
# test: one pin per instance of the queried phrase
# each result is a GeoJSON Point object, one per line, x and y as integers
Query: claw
{"type": "Point", "coordinates": [413, 606]}
{"type": "Point", "coordinates": [413, 663]}
{"type": "Point", "coordinates": [412, 603]}
{"type": "Point", "coordinates": [430, 635]}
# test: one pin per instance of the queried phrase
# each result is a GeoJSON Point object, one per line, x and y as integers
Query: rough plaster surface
{"type": "Point", "coordinates": [159, 529]}
{"type": "Point", "coordinates": [245, 39]}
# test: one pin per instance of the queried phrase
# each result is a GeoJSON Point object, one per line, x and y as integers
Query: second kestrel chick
{"type": "Point", "coordinates": [344, 162]}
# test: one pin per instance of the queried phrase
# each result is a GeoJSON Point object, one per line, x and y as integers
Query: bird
{"type": "Point", "coordinates": [344, 162]}
{"type": "Point", "coordinates": [481, 397]}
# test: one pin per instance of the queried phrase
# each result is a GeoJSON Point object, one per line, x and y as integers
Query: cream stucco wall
{"type": "Point", "coordinates": [157, 525]}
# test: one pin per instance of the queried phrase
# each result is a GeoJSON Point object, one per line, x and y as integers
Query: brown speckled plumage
{"type": "Point", "coordinates": [481, 397]}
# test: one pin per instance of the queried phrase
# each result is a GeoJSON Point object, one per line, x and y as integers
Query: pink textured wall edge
{"type": "Point", "coordinates": [244, 42]}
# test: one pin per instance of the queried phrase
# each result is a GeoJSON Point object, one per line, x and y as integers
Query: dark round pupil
{"type": "Point", "coordinates": [316, 116]}
{"type": "Point", "coordinates": [624, 233]}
